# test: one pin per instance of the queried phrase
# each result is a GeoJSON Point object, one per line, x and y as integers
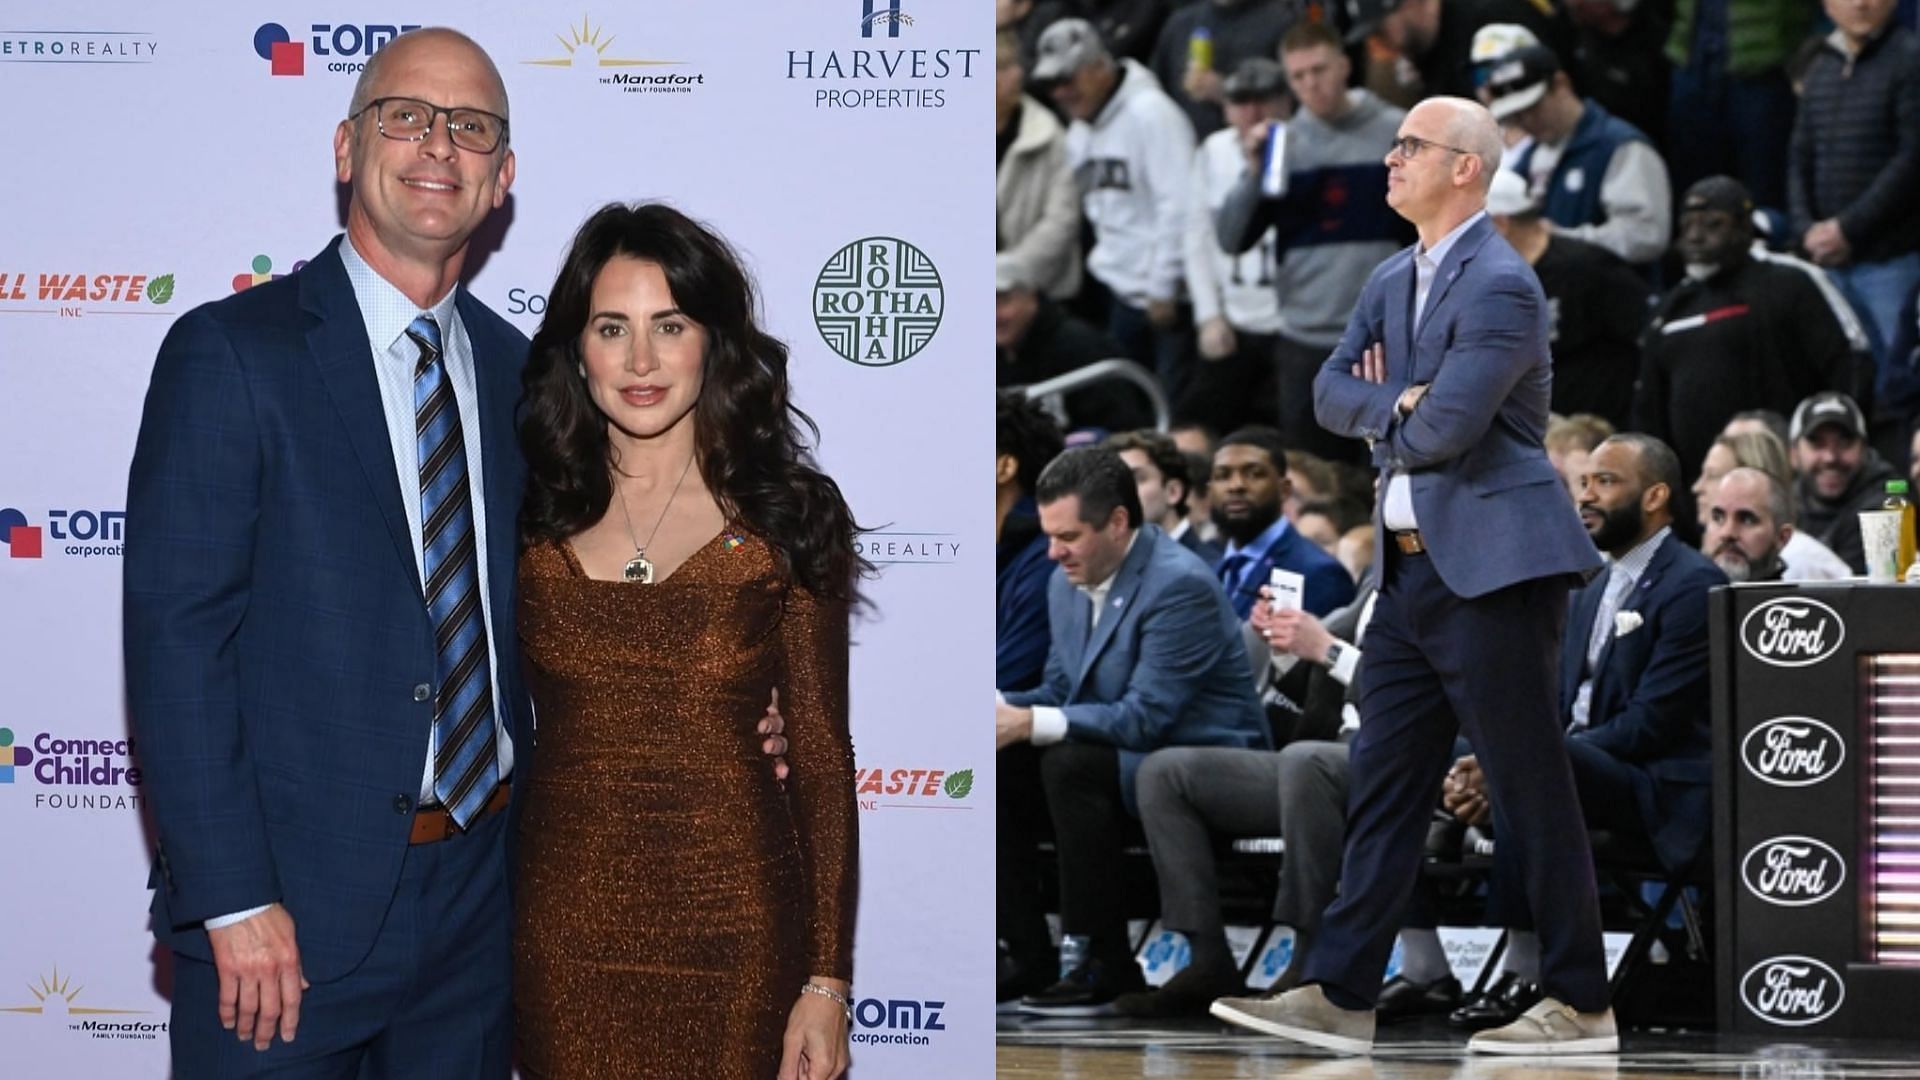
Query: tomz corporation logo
{"type": "Point", "coordinates": [1793, 751]}
{"type": "Point", "coordinates": [1793, 871]}
{"type": "Point", "coordinates": [878, 301]}
{"type": "Point", "coordinates": [1792, 991]}
{"type": "Point", "coordinates": [285, 56]}
{"type": "Point", "coordinates": [1792, 632]}
{"type": "Point", "coordinates": [896, 1021]}
{"type": "Point", "coordinates": [22, 539]}
{"type": "Point", "coordinates": [87, 533]}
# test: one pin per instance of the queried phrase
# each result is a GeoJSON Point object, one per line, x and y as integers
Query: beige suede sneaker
{"type": "Point", "coordinates": [1304, 1015]}
{"type": "Point", "coordinates": [1551, 1028]}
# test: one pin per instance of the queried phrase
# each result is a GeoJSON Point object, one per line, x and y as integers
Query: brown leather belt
{"type": "Point", "coordinates": [1410, 542]}
{"type": "Point", "coordinates": [433, 824]}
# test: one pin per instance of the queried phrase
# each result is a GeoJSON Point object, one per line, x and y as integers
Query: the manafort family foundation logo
{"type": "Point", "coordinates": [1792, 991]}
{"type": "Point", "coordinates": [913, 789]}
{"type": "Point", "coordinates": [60, 997]}
{"type": "Point", "coordinates": [893, 548]}
{"type": "Point", "coordinates": [588, 47]}
{"type": "Point", "coordinates": [84, 534]}
{"type": "Point", "coordinates": [1793, 751]}
{"type": "Point", "coordinates": [897, 1021]}
{"type": "Point", "coordinates": [79, 294]}
{"type": "Point", "coordinates": [344, 46]}
{"type": "Point", "coordinates": [1792, 632]}
{"type": "Point", "coordinates": [261, 273]}
{"type": "Point", "coordinates": [882, 18]}
{"type": "Point", "coordinates": [77, 47]}
{"type": "Point", "coordinates": [878, 301]}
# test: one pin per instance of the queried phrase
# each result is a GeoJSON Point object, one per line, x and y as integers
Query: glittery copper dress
{"type": "Point", "coordinates": [671, 895]}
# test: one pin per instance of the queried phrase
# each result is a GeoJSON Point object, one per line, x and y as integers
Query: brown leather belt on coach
{"type": "Point", "coordinates": [433, 824]}
{"type": "Point", "coordinates": [1410, 542]}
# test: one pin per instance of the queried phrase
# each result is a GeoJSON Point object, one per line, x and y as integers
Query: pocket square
{"type": "Point", "coordinates": [1626, 622]}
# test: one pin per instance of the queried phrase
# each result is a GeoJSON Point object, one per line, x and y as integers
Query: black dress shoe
{"type": "Point", "coordinates": [1500, 1005]}
{"type": "Point", "coordinates": [1402, 998]}
{"type": "Point", "coordinates": [1088, 990]}
{"type": "Point", "coordinates": [1188, 993]}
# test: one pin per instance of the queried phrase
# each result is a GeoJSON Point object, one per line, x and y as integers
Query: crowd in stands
{"type": "Point", "coordinates": [1721, 199]}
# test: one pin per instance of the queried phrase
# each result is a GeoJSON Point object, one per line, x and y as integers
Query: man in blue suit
{"type": "Point", "coordinates": [1633, 699]}
{"type": "Point", "coordinates": [322, 668]}
{"type": "Point", "coordinates": [1145, 654]}
{"type": "Point", "coordinates": [1249, 486]}
{"type": "Point", "coordinates": [1444, 370]}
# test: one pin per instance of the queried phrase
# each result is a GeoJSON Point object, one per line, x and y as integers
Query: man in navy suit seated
{"type": "Point", "coordinates": [1145, 654]}
{"type": "Point", "coordinates": [1248, 487]}
{"type": "Point", "coordinates": [1633, 697]}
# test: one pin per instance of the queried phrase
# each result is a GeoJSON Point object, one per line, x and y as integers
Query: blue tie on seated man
{"type": "Point", "coordinates": [1248, 488]}
{"type": "Point", "coordinates": [1145, 654]}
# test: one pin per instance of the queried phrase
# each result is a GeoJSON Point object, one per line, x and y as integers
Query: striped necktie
{"type": "Point", "coordinates": [466, 764]}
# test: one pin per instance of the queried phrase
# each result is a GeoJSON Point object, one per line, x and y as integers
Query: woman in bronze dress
{"type": "Point", "coordinates": [680, 912]}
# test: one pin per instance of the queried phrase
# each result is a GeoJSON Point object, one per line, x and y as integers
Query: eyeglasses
{"type": "Point", "coordinates": [1409, 146]}
{"type": "Point", "coordinates": [410, 120]}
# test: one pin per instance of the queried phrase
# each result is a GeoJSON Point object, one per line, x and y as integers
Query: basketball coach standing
{"type": "Point", "coordinates": [1444, 370]}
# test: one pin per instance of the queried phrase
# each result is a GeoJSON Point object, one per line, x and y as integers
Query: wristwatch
{"type": "Point", "coordinates": [1334, 650]}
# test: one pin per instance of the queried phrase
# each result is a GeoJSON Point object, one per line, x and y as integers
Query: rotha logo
{"type": "Point", "coordinates": [1793, 751]}
{"type": "Point", "coordinates": [1792, 632]}
{"type": "Point", "coordinates": [1793, 871]}
{"type": "Point", "coordinates": [878, 301]}
{"type": "Point", "coordinates": [1792, 991]}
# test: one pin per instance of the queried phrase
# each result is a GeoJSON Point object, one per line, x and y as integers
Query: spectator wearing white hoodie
{"type": "Point", "coordinates": [1131, 149]}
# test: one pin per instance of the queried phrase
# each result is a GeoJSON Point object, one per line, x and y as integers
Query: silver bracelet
{"type": "Point", "coordinates": [846, 1005]}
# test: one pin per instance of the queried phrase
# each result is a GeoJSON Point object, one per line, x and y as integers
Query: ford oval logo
{"type": "Point", "coordinates": [1793, 871]}
{"type": "Point", "coordinates": [1792, 631]}
{"type": "Point", "coordinates": [1792, 991]}
{"type": "Point", "coordinates": [1793, 751]}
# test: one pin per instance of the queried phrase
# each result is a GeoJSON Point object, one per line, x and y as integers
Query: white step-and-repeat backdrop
{"type": "Point", "coordinates": [160, 156]}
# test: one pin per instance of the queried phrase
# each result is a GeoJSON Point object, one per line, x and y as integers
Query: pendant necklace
{"type": "Point", "coordinates": [638, 569]}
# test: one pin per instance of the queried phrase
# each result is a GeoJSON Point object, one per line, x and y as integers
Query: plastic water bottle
{"type": "Point", "coordinates": [1200, 49]}
{"type": "Point", "coordinates": [1897, 500]}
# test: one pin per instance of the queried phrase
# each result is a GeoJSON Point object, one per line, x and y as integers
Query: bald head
{"type": "Point", "coordinates": [441, 39]}
{"type": "Point", "coordinates": [1470, 127]}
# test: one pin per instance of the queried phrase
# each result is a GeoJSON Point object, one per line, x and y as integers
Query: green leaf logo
{"type": "Point", "coordinates": [160, 289]}
{"type": "Point", "coordinates": [959, 784]}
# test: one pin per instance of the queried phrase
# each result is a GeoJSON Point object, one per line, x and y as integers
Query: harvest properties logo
{"type": "Point", "coordinates": [57, 996]}
{"type": "Point", "coordinates": [585, 48]}
{"type": "Point", "coordinates": [913, 789]}
{"type": "Point", "coordinates": [68, 296]}
{"type": "Point", "coordinates": [878, 301]}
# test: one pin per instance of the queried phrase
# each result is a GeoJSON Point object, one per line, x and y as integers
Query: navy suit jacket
{"type": "Point", "coordinates": [1208, 551]}
{"type": "Point", "coordinates": [1491, 507]}
{"type": "Point", "coordinates": [1648, 707]}
{"type": "Point", "coordinates": [1328, 585]}
{"type": "Point", "coordinates": [1164, 667]}
{"type": "Point", "coordinates": [275, 626]}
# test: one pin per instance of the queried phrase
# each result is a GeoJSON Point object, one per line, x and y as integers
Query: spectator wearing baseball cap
{"type": "Point", "coordinates": [1598, 178]}
{"type": "Point", "coordinates": [1131, 149]}
{"type": "Point", "coordinates": [1436, 36]}
{"type": "Point", "coordinates": [1736, 333]}
{"type": "Point", "coordinates": [1839, 474]}
{"type": "Point", "coordinates": [1596, 306]}
{"type": "Point", "coordinates": [1236, 311]}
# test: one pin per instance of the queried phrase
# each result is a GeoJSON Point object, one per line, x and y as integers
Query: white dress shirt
{"type": "Point", "coordinates": [1398, 514]}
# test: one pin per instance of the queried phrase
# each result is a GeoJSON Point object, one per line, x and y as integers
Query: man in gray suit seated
{"type": "Point", "coordinates": [1145, 653]}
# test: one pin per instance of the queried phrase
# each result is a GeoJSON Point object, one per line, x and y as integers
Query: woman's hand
{"type": "Point", "coordinates": [816, 1044]}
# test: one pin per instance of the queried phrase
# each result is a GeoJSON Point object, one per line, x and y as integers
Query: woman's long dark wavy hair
{"type": "Point", "coordinates": [747, 433]}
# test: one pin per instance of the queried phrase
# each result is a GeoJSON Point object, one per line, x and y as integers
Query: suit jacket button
{"type": "Point", "coordinates": [403, 804]}
{"type": "Point", "coordinates": [422, 692]}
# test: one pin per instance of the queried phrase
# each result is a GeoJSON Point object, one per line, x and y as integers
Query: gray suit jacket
{"type": "Point", "coordinates": [1164, 667]}
{"type": "Point", "coordinates": [1490, 506]}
